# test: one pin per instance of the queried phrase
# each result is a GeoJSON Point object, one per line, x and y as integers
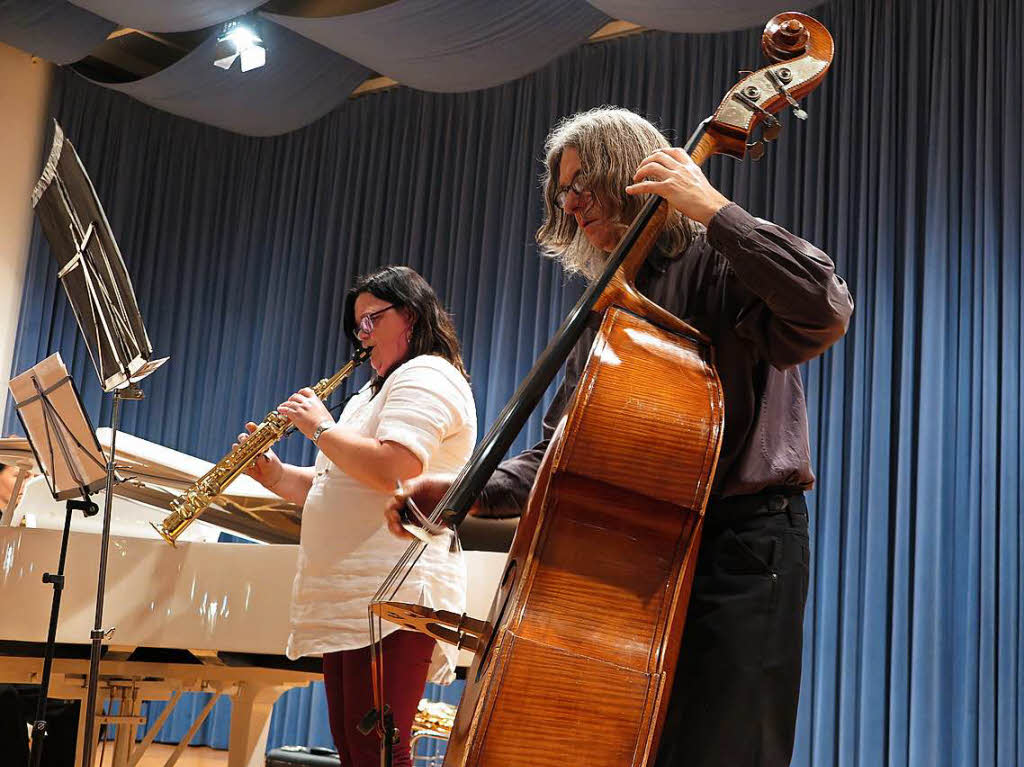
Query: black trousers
{"type": "Point", "coordinates": [734, 698]}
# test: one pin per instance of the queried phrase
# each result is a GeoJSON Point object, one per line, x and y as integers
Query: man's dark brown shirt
{"type": "Point", "coordinates": [769, 301]}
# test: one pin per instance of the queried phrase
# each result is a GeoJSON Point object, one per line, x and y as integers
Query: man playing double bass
{"type": "Point", "coordinates": [769, 301]}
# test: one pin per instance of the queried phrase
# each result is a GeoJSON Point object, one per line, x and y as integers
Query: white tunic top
{"type": "Point", "coordinates": [345, 549]}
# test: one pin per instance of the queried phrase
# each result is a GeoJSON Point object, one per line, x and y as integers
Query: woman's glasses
{"type": "Point", "coordinates": [365, 325]}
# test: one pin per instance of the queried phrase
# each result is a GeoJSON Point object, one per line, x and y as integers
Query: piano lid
{"type": "Point", "coordinates": [154, 475]}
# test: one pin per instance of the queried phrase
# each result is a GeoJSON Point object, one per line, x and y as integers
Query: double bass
{"type": "Point", "coordinates": [575, 662]}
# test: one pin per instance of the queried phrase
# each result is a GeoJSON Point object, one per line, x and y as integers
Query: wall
{"type": "Point", "coordinates": [24, 95]}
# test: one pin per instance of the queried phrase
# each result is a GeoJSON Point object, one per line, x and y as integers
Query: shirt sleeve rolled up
{"type": "Point", "coordinates": [421, 408]}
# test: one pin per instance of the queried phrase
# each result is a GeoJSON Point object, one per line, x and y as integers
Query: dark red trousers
{"type": "Point", "coordinates": [349, 686]}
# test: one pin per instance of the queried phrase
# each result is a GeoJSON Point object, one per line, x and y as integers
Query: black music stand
{"type": "Point", "coordinates": [71, 460]}
{"type": "Point", "coordinates": [100, 291]}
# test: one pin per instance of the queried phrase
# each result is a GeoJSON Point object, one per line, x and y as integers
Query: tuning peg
{"type": "Point", "coordinates": [770, 131]}
{"type": "Point", "coordinates": [755, 150]}
{"type": "Point", "coordinates": [780, 79]}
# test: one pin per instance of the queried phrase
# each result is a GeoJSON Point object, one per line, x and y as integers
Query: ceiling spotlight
{"type": "Point", "coordinates": [240, 40]}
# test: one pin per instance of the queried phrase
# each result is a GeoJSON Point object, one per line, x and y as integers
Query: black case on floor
{"type": "Point", "coordinates": [289, 756]}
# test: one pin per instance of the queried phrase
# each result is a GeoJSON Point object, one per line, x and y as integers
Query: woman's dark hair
{"type": "Point", "coordinates": [432, 328]}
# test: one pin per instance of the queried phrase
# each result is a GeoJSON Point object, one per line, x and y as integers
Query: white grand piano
{"type": "Point", "coordinates": [201, 617]}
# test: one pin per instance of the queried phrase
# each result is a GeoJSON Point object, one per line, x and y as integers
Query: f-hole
{"type": "Point", "coordinates": [507, 584]}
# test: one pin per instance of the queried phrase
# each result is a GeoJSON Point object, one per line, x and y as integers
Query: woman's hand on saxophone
{"type": "Point", "coordinates": [305, 410]}
{"type": "Point", "coordinates": [267, 469]}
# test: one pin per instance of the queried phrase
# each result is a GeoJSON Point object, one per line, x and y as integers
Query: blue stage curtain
{"type": "Point", "coordinates": [909, 173]}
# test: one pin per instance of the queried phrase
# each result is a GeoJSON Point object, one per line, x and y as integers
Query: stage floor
{"type": "Point", "coordinates": [156, 756]}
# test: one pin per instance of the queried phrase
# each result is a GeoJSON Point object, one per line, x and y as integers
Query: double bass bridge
{"type": "Point", "coordinates": [445, 626]}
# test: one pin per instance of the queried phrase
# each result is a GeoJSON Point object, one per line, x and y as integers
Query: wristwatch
{"type": "Point", "coordinates": [321, 428]}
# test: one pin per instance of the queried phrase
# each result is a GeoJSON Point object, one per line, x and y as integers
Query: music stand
{"type": "Point", "coordinates": [99, 289]}
{"type": "Point", "coordinates": [69, 457]}
{"type": "Point", "coordinates": [91, 268]}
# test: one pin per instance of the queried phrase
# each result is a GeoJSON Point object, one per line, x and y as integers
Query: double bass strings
{"type": "Point", "coordinates": [429, 531]}
{"type": "Point", "coordinates": [387, 590]}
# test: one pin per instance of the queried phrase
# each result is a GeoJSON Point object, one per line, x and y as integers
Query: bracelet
{"type": "Point", "coordinates": [321, 428]}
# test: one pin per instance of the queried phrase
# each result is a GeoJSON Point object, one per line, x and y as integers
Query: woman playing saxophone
{"type": "Point", "coordinates": [416, 413]}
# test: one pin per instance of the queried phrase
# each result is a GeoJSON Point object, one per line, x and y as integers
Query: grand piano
{"type": "Point", "coordinates": [200, 617]}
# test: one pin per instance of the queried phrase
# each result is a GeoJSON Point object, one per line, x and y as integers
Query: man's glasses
{"type": "Point", "coordinates": [576, 186]}
{"type": "Point", "coordinates": [365, 325]}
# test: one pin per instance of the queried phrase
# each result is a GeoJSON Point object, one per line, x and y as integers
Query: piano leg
{"type": "Point", "coordinates": [250, 723]}
{"type": "Point", "coordinates": [124, 733]}
{"type": "Point", "coordinates": [255, 689]}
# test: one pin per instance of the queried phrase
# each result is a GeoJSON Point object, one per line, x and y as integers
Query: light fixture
{"type": "Point", "coordinates": [240, 40]}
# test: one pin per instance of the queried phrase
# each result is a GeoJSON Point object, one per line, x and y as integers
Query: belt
{"type": "Point", "coordinates": [734, 508]}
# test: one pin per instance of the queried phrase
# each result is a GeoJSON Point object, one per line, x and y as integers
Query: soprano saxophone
{"type": "Point", "coordinates": [198, 496]}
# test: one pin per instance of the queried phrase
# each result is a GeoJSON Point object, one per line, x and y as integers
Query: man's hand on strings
{"type": "Point", "coordinates": [673, 175]}
{"type": "Point", "coordinates": [305, 410]}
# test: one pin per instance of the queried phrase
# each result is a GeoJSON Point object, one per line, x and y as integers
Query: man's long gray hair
{"type": "Point", "coordinates": [611, 142]}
